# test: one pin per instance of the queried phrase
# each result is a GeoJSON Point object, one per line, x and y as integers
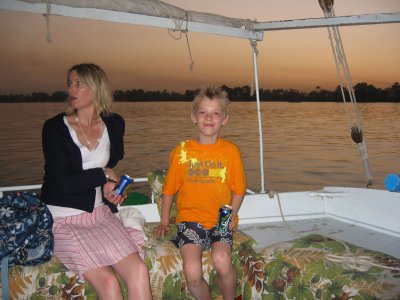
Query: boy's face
{"type": "Point", "coordinates": [209, 119]}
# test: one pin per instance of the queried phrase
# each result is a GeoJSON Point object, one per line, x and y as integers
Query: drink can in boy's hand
{"type": "Point", "coordinates": [123, 186]}
{"type": "Point", "coordinates": [224, 218]}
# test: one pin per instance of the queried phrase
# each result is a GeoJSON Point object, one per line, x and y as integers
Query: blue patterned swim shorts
{"type": "Point", "coordinates": [195, 233]}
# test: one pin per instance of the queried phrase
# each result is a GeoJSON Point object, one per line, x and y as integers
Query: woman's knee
{"type": "Point", "coordinates": [110, 282]}
{"type": "Point", "coordinates": [105, 283]}
{"type": "Point", "coordinates": [131, 265]}
{"type": "Point", "coordinates": [141, 269]}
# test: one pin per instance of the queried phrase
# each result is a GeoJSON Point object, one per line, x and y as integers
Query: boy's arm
{"type": "Point", "coordinates": [236, 203]}
{"type": "Point", "coordinates": [166, 204]}
{"type": "Point", "coordinates": [166, 208]}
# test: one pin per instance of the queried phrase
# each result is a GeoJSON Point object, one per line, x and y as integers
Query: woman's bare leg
{"type": "Point", "coordinates": [105, 283]}
{"type": "Point", "coordinates": [134, 272]}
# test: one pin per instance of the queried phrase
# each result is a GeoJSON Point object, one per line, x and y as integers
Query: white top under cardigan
{"type": "Point", "coordinates": [95, 158]}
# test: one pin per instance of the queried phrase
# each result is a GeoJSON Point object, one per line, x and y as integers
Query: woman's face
{"type": "Point", "coordinates": [79, 94]}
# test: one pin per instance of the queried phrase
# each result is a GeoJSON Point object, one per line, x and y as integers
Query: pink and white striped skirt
{"type": "Point", "coordinates": [88, 241]}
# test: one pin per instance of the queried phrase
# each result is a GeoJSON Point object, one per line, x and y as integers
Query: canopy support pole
{"type": "Point", "coordinates": [260, 133]}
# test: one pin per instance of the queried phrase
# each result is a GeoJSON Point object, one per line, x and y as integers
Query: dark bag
{"type": "Point", "coordinates": [25, 232]}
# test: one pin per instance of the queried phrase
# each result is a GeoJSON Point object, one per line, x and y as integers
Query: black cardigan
{"type": "Point", "coordinates": [65, 182]}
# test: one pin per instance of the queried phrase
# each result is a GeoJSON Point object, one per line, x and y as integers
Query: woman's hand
{"type": "Point", "coordinates": [108, 192]}
{"type": "Point", "coordinates": [162, 230]}
{"type": "Point", "coordinates": [111, 175]}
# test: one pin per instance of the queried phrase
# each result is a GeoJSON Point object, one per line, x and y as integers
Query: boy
{"type": "Point", "coordinates": [207, 173]}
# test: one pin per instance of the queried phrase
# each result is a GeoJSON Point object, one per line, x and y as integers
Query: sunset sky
{"type": "Point", "coordinates": [137, 57]}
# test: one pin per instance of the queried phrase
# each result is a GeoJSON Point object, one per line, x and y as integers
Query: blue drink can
{"type": "Point", "coordinates": [123, 186]}
{"type": "Point", "coordinates": [224, 218]}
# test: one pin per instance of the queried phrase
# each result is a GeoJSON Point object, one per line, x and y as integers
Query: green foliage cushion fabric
{"type": "Point", "coordinates": [312, 267]}
{"type": "Point", "coordinates": [52, 280]}
{"type": "Point", "coordinates": [156, 180]}
{"type": "Point", "coordinates": [319, 267]}
{"type": "Point", "coordinates": [165, 265]}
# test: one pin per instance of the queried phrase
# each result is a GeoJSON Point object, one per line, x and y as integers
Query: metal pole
{"type": "Point", "coordinates": [254, 46]}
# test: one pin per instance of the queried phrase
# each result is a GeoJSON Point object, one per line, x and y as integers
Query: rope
{"type": "Point", "coordinates": [178, 27]}
{"type": "Point", "coordinates": [47, 17]}
{"type": "Point", "coordinates": [342, 69]}
{"type": "Point", "coordinates": [272, 195]}
{"type": "Point", "coordinates": [187, 42]}
{"type": "Point", "coordinates": [255, 51]}
{"type": "Point", "coordinates": [360, 263]}
{"type": "Point", "coordinates": [260, 134]}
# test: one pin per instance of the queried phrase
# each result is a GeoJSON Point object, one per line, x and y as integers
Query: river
{"type": "Point", "coordinates": [306, 145]}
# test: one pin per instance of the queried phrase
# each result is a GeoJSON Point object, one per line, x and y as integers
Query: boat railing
{"type": "Point", "coordinates": [34, 187]}
{"type": "Point", "coordinates": [16, 188]}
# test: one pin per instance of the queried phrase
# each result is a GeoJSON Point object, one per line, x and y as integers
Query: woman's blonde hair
{"type": "Point", "coordinates": [94, 77]}
{"type": "Point", "coordinates": [213, 93]}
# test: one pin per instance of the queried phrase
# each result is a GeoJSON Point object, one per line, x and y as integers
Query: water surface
{"type": "Point", "coordinates": [306, 145]}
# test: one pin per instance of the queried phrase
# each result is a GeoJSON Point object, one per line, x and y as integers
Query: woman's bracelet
{"type": "Point", "coordinates": [106, 174]}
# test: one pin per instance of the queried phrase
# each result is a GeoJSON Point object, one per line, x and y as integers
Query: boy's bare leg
{"type": "Point", "coordinates": [226, 273]}
{"type": "Point", "coordinates": [192, 268]}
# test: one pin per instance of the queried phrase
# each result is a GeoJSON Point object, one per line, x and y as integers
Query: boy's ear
{"type": "Point", "coordinates": [225, 120]}
{"type": "Point", "coordinates": [193, 118]}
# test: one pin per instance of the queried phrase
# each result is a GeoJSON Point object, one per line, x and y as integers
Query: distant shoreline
{"type": "Point", "coordinates": [363, 93]}
{"type": "Point", "coordinates": [189, 100]}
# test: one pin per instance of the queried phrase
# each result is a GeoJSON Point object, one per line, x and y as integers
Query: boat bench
{"type": "Point", "coordinates": [52, 280]}
{"type": "Point", "coordinates": [312, 267]}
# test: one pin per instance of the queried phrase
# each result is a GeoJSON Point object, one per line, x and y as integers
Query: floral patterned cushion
{"type": "Point", "coordinates": [313, 267]}
{"type": "Point", "coordinates": [156, 180]}
{"type": "Point", "coordinates": [165, 265]}
{"type": "Point", "coordinates": [318, 267]}
{"type": "Point", "coordinates": [52, 280]}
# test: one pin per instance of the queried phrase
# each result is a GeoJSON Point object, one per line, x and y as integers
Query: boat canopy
{"type": "Point", "coordinates": [153, 8]}
{"type": "Point", "coordinates": [160, 14]}
{"type": "Point", "coordinates": [141, 12]}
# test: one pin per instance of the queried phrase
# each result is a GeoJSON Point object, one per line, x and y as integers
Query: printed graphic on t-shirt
{"type": "Point", "coordinates": [202, 171]}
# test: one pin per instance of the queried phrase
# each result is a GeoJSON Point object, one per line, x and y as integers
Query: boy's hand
{"type": "Point", "coordinates": [162, 230]}
{"type": "Point", "coordinates": [232, 225]}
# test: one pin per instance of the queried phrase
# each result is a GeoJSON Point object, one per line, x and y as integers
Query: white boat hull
{"type": "Point", "coordinates": [373, 209]}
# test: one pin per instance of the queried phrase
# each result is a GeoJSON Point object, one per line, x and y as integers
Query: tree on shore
{"type": "Point", "coordinates": [364, 93]}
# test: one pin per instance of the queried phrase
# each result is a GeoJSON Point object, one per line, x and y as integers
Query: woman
{"type": "Point", "coordinates": [81, 147]}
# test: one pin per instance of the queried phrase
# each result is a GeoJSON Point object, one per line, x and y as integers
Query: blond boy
{"type": "Point", "coordinates": [207, 173]}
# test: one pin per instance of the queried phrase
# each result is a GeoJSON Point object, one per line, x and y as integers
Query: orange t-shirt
{"type": "Point", "coordinates": [205, 177]}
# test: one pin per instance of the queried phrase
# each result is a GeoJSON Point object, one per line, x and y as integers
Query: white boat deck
{"type": "Point", "coordinates": [269, 233]}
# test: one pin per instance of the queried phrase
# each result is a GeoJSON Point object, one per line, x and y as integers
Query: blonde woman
{"type": "Point", "coordinates": [81, 147]}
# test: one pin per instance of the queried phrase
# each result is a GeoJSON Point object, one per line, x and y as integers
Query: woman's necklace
{"type": "Point", "coordinates": [88, 144]}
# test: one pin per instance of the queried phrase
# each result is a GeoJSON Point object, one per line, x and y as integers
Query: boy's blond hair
{"type": "Point", "coordinates": [213, 93]}
{"type": "Point", "coordinates": [94, 77]}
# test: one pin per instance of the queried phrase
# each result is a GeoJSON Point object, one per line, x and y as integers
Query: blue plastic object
{"type": "Point", "coordinates": [392, 182]}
